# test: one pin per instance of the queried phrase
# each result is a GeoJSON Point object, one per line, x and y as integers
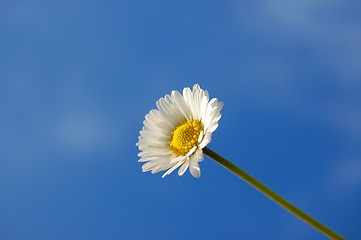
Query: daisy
{"type": "Point", "coordinates": [175, 134]}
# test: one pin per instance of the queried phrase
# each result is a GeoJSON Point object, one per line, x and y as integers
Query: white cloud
{"type": "Point", "coordinates": [332, 32]}
{"type": "Point", "coordinates": [324, 26]}
{"type": "Point", "coordinates": [347, 174]}
{"type": "Point", "coordinates": [84, 131]}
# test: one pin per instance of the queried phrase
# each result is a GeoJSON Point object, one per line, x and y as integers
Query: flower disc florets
{"type": "Point", "coordinates": [185, 137]}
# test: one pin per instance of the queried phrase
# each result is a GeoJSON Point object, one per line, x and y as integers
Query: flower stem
{"type": "Point", "coordinates": [272, 195]}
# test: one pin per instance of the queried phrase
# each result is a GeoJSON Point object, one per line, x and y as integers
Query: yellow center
{"type": "Point", "coordinates": [185, 136]}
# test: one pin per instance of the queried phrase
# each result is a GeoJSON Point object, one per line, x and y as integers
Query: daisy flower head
{"type": "Point", "coordinates": [174, 134]}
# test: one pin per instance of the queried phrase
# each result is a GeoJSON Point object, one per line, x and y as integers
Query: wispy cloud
{"type": "Point", "coordinates": [345, 176]}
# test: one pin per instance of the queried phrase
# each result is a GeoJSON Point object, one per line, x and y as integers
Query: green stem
{"type": "Point", "coordinates": [272, 195]}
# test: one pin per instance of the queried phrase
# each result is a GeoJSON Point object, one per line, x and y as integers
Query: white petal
{"type": "Point", "coordinates": [167, 112]}
{"type": "Point", "coordinates": [196, 86]}
{"type": "Point", "coordinates": [172, 169]}
{"type": "Point", "coordinates": [151, 164]}
{"type": "Point", "coordinates": [152, 137]}
{"type": "Point", "coordinates": [151, 154]}
{"type": "Point", "coordinates": [193, 149]}
{"type": "Point", "coordinates": [198, 155]}
{"type": "Point", "coordinates": [211, 108]}
{"type": "Point", "coordinates": [197, 103]}
{"type": "Point", "coordinates": [194, 167]}
{"type": "Point", "coordinates": [188, 98]}
{"type": "Point", "coordinates": [173, 109]}
{"type": "Point", "coordinates": [207, 139]}
{"type": "Point", "coordinates": [178, 159]}
{"type": "Point", "coordinates": [146, 159]}
{"type": "Point", "coordinates": [154, 129]}
{"type": "Point", "coordinates": [183, 168]}
{"type": "Point", "coordinates": [187, 95]}
{"type": "Point", "coordinates": [200, 137]}
{"type": "Point", "coordinates": [203, 107]}
{"type": "Point", "coordinates": [220, 105]}
{"type": "Point", "coordinates": [154, 148]}
{"type": "Point", "coordinates": [162, 167]}
{"type": "Point", "coordinates": [213, 127]}
{"type": "Point", "coordinates": [182, 105]}
{"type": "Point", "coordinates": [155, 118]}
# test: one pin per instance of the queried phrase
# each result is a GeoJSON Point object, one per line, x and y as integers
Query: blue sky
{"type": "Point", "coordinates": [78, 77]}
